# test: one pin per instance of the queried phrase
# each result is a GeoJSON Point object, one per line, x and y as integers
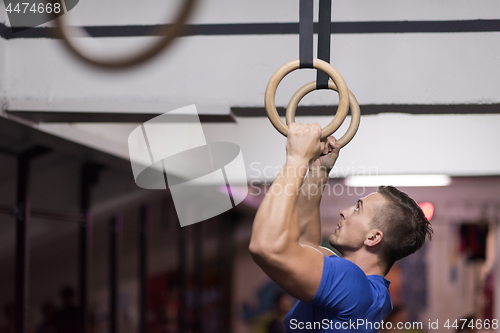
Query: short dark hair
{"type": "Point", "coordinates": [403, 223]}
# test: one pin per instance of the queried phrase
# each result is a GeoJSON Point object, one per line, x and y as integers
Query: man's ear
{"type": "Point", "coordinates": [374, 237]}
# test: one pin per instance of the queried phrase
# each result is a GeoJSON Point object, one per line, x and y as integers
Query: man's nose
{"type": "Point", "coordinates": [344, 213]}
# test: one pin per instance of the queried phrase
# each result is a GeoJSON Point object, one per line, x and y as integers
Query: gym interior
{"type": "Point", "coordinates": [78, 231]}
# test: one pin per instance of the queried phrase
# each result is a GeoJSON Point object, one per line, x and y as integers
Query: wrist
{"type": "Point", "coordinates": [320, 172]}
{"type": "Point", "coordinates": [296, 161]}
{"type": "Point", "coordinates": [297, 166]}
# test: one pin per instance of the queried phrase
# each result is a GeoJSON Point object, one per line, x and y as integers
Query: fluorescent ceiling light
{"type": "Point", "coordinates": [398, 180]}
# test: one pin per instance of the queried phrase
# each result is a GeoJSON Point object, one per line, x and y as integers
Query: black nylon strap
{"type": "Point", "coordinates": [324, 35]}
{"type": "Point", "coordinates": [306, 34]}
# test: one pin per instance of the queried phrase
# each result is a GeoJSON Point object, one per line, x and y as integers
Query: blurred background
{"type": "Point", "coordinates": [94, 248]}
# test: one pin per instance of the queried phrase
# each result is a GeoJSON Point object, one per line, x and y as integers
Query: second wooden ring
{"type": "Point", "coordinates": [354, 106]}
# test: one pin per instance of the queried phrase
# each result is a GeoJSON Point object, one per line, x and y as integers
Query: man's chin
{"type": "Point", "coordinates": [332, 242]}
{"type": "Point", "coordinates": [335, 245]}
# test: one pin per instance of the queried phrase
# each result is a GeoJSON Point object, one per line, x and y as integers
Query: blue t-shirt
{"type": "Point", "coordinates": [347, 300]}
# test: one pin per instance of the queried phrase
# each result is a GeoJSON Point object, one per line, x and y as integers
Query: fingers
{"type": "Point", "coordinates": [313, 128]}
{"type": "Point", "coordinates": [316, 127]}
{"type": "Point", "coordinates": [303, 141]}
{"type": "Point", "coordinates": [333, 145]}
{"type": "Point", "coordinates": [328, 145]}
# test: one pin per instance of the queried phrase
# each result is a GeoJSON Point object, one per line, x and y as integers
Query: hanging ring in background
{"type": "Point", "coordinates": [167, 34]}
{"type": "Point", "coordinates": [290, 66]}
{"type": "Point", "coordinates": [353, 103]}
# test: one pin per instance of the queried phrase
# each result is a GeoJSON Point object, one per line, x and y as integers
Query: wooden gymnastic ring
{"type": "Point", "coordinates": [311, 86]}
{"type": "Point", "coordinates": [167, 32]}
{"type": "Point", "coordinates": [287, 68]}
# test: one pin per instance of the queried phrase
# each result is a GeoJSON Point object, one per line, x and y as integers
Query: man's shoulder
{"type": "Point", "coordinates": [380, 287]}
{"type": "Point", "coordinates": [345, 289]}
{"type": "Point", "coordinates": [342, 275]}
{"type": "Point", "coordinates": [352, 277]}
{"type": "Point", "coordinates": [345, 265]}
{"type": "Point", "coordinates": [382, 303]}
{"type": "Point", "coordinates": [379, 280]}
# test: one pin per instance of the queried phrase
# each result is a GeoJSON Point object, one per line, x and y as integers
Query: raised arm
{"type": "Point", "coordinates": [274, 244]}
{"type": "Point", "coordinates": [310, 195]}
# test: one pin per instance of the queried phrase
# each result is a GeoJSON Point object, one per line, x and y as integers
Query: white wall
{"type": "Point", "coordinates": [227, 11]}
{"type": "Point", "coordinates": [379, 68]}
{"type": "Point", "coordinates": [458, 145]}
{"type": "Point", "coordinates": [452, 68]}
{"type": "Point", "coordinates": [397, 68]}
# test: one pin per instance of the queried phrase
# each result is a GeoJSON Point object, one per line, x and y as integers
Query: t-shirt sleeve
{"type": "Point", "coordinates": [344, 288]}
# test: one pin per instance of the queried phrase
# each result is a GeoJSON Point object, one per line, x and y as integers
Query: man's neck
{"type": "Point", "coordinates": [368, 262]}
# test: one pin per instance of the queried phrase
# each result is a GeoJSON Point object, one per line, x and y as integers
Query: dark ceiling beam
{"type": "Point", "coordinates": [127, 117]}
{"type": "Point", "coordinates": [113, 117]}
{"type": "Point", "coordinates": [223, 29]}
{"type": "Point", "coordinates": [376, 109]}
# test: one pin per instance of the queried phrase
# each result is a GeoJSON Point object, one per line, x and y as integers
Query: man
{"type": "Point", "coordinates": [348, 294]}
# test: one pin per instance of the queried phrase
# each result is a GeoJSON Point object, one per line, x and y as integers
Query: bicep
{"type": "Point", "coordinates": [298, 270]}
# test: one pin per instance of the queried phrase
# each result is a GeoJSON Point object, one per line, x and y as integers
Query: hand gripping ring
{"type": "Point", "coordinates": [354, 106]}
{"type": "Point", "coordinates": [287, 68]}
{"type": "Point", "coordinates": [167, 32]}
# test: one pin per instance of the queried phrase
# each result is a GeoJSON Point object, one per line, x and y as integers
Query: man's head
{"type": "Point", "coordinates": [404, 223]}
{"type": "Point", "coordinates": [387, 222]}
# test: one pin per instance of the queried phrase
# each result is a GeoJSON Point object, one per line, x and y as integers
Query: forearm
{"type": "Point", "coordinates": [276, 222]}
{"type": "Point", "coordinates": [309, 201]}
